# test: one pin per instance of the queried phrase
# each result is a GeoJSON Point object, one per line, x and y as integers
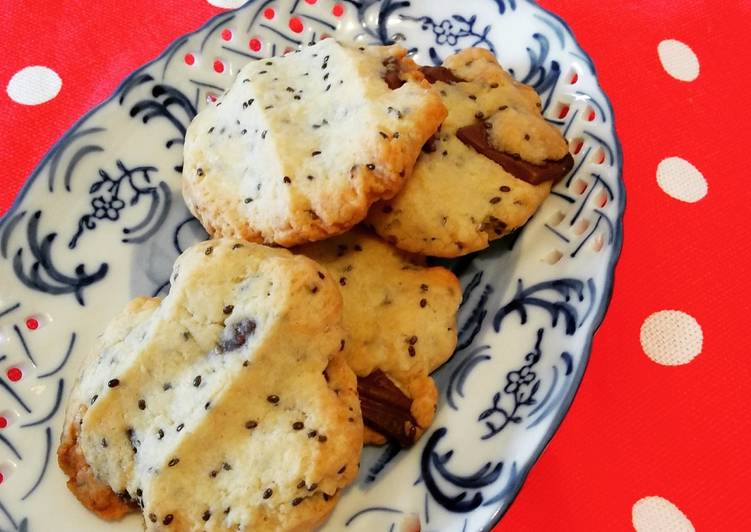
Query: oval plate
{"type": "Point", "coordinates": [102, 220]}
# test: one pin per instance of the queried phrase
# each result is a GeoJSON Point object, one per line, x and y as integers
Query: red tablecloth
{"type": "Point", "coordinates": [656, 436]}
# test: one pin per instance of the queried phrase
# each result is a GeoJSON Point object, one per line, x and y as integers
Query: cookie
{"type": "Point", "coordinates": [400, 317]}
{"type": "Point", "coordinates": [226, 406]}
{"type": "Point", "coordinates": [485, 172]}
{"type": "Point", "coordinates": [300, 146]}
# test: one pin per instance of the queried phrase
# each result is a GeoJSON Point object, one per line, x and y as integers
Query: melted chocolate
{"type": "Point", "coordinates": [476, 136]}
{"type": "Point", "coordinates": [429, 146]}
{"type": "Point", "coordinates": [235, 335]}
{"type": "Point", "coordinates": [491, 223]}
{"type": "Point", "coordinates": [392, 76]}
{"type": "Point", "coordinates": [439, 73]}
{"type": "Point", "coordinates": [386, 409]}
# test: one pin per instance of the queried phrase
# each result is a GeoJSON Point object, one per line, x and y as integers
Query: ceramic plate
{"type": "Point", "coordinates": [101, 220]}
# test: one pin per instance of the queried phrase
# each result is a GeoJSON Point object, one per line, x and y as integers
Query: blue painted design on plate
{"type": "Point", "coordinates": [532, 396]}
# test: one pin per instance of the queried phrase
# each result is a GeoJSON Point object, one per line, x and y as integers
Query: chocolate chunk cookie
{"type": "Point", "coordinates": [485, 172]}
{"type": "Point", "coordinates": [400, 317]}
{"type": "Point", "coordinates": [226, 406]}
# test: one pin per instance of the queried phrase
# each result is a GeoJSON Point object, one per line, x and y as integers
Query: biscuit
{"type": "Point", "coordinates": [300, 146]}
{"type": "Point", "coordinates": [484, 173]}
{"type": "Point", "coordinates": [400, 317]}
{"type": "Point", "coordinates": [226, 406]}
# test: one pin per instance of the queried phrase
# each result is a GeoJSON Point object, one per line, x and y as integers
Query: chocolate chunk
{"type": "Point", "coordinates": [386, 409]}
{"type": "Point", "coordinates": [235, 335]}
{"type": "Point", "coordinates": [134, 442]}
{"type": "Point", "coordinates": [429, 146]}
{"type": "Point", "coordinates": [393, 71]}
{"type": "Point", "coordinates": [476, 136]}
{"type": "Point", "coordinates": [439, 73]}
{"type": "Point", "coordinates": [491, 223]}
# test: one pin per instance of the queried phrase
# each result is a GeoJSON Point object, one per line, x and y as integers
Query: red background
{"type": "Point", "coordinates": [636, 428]}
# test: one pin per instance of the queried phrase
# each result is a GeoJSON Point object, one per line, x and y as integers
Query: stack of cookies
{"type": "Point", "coordinates": [242, 400]}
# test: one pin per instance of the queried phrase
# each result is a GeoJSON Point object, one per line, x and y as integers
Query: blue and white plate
{"type": "Point", "coordinates": [101, 220]}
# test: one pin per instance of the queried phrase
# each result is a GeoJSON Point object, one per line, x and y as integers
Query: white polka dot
{"type": "Point", "coordinates": [678, 60]}
{"type": "Point", "coordinates": [680, 179]}
{"type": "Point", "coordinates": [33, 85]}
{"type": "Point", "coordinates": [227, 4]}
{"type": "Point", "coordinates": [655, 514]}
{"type": "Point", "coordinates": [671, 337]}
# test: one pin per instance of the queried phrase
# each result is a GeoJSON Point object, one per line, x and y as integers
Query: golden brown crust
{"type": "Point", "coordinates": [94, 494]}
{"type": "Point", "coordinates": [371, 437]}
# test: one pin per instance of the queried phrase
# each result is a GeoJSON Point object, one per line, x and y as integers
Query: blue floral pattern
{"type": "Point", "coordinates": [106, 208]}
{"type": "Point", "coordinates": [525, 325]}
{"type": "Point", "coordinates": [454, 31]}
{"type": "Point", "coordinates": [521, 386]}
{"type": "Point", "coordinates": [443, 32]}
{"type": "Point", "coordinates": [107, 204]}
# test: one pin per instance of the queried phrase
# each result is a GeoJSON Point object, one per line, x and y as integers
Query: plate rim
{"type": "Point", "coordinates": [609, 284]}
{"type": "Point", "coordinates": [609, 281]}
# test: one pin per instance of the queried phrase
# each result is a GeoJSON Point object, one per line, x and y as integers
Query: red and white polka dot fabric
{"type": "Point", "coordinates": [657, 438]}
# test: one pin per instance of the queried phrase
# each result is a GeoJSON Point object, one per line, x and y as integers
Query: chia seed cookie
{"type": "Point", "coordinates": [400, 317]}
{"type": "Point", "coordinates": [226, 406]}
{"type": "Point", "coordinates": [484, 173]}
{"type": "Point", "coordinates": [300, 146]}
